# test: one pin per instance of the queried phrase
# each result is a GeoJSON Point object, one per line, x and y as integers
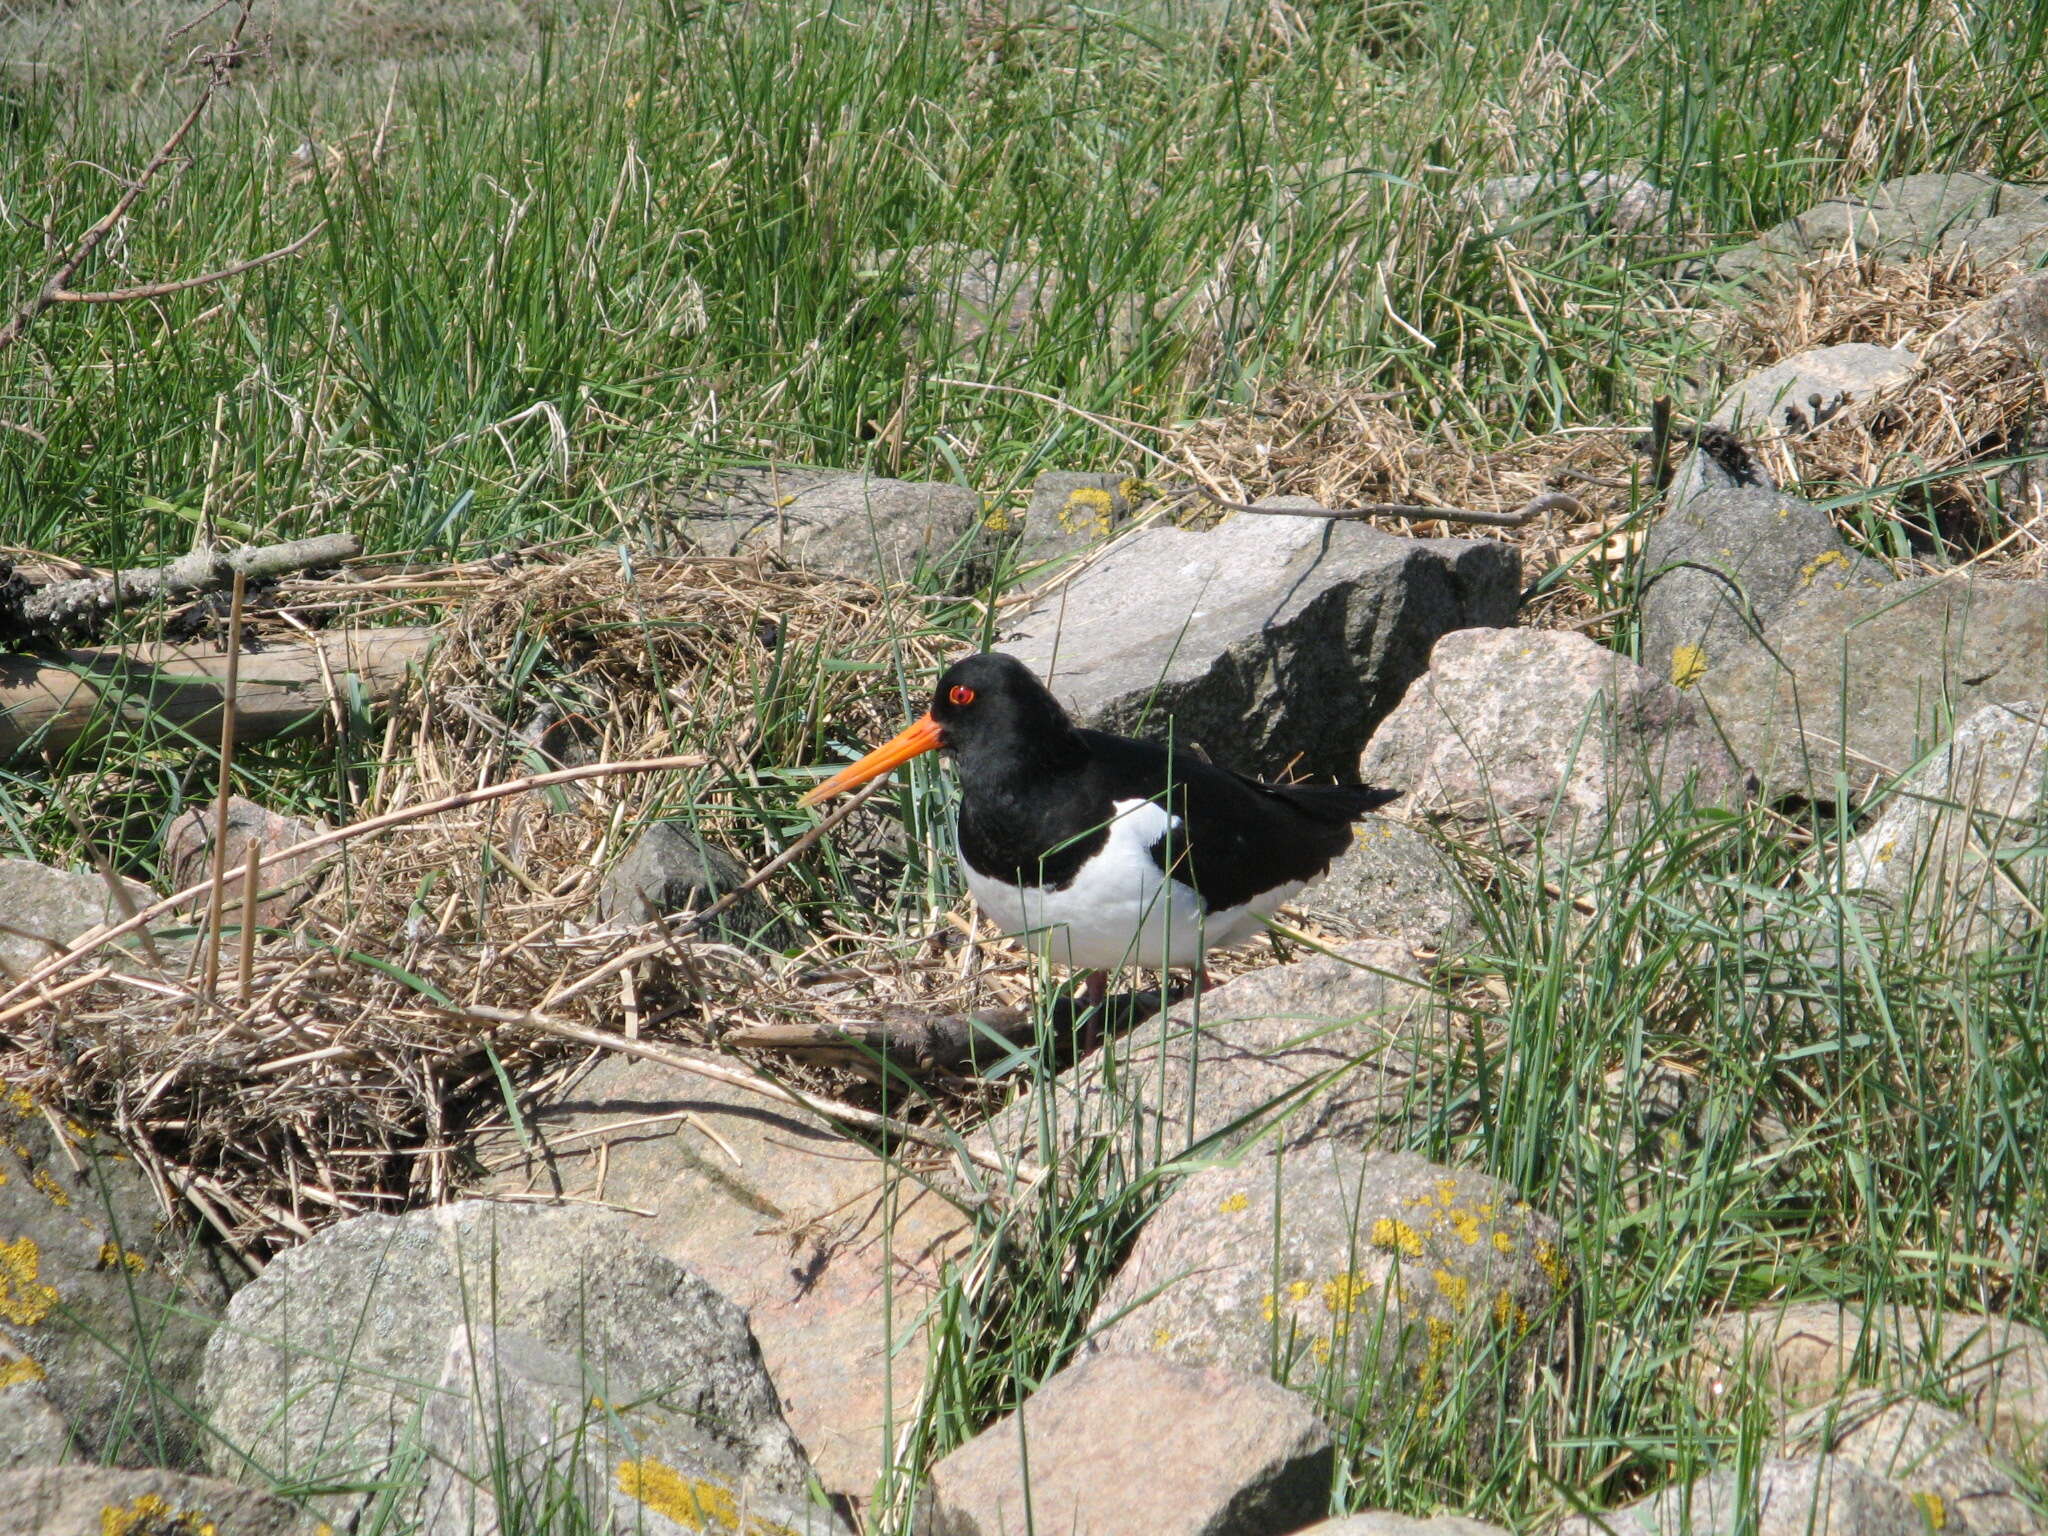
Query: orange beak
{"type": "Point", "coordinates": [914, 740]}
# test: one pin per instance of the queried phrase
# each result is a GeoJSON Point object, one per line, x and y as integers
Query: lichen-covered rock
{"type": "Point", "coordinates": [1804, 1353]}
{"type": "Point", "coordinates": [1960, 851]}
{"type": "Point", "coordinates": [513, 1417]}
{"type": "Point", "coordinates": [1327, 1048]}
{"type": "Point", "coordinates": [32, 1431]}
{"type": "Point", "coordinates": [2016, 318]}
{"type": "Point", "coordinates": [1941, 1459]}
{"type": "Point", "coordinates": [1394, 881]}
{"type": "Point", "coordinates": [43, 910]}
{"type": "Point", "coordinates": [1899, 219]}
{"type": "Point", "coordinates": [104, 1304]}
{"type": "Point", "coordinates": [1719, 567]}
{"type": "Point", "coordinates": [1265, 641]}
{"type": "Point", "coordinates": [1232, 1455]}
{"type": "Point", "coordinates": [835, 522]}
{"type": "Point", "coordinates": [835, 1256]}
{"type": "Point", "coordinates": [1801, 393]}
{"type": "Point", "coordinates": [1853, 685]}
{"type": "Point", "coordinates": [1518, 735]}
{"type": "Point", "coordinates": [1820, 1496]}
{"type": "Point", "coordinates": [325, 1359]}
{"type": "Point", "coordinates": [1384, 1522]}
{"type": "Point", "coordinates": [105, 1501]}
{"type": "Point", "coordinates": [670, 869]}
{"type": "Point", "coordinates": [1071, 513]}
{"type": "Point", "coordinates": [1390, 1284]}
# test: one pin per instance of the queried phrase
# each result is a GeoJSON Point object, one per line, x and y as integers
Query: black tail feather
{"type": "Point", "coordinates": [1331, 802]}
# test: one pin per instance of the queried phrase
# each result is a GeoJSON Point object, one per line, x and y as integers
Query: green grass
{"type": "Point", "coordinates": [605, 248]}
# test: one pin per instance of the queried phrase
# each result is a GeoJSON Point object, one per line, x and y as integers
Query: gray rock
{"type": "Point", "coordinates": [1800, 393]}
{"type": "Point", "coordinates": [835, 522]}
{"type": "Point", "coordinates": [1266, 641]}
{"type": "Point", "coordinates": [1325, 1048]}
{"type": "Point", "coordinates": [955, 297]}
{"type": "Point", "coordinates": [1597, 199]}
{"type": "Point", "coordinates": [2019, 235]}
{"type": "Point", "coordinates": [1521, 735]}
{"type": "Point", "coordinates": [103, 1302]}
{"type": "Point", "coordinates": [1804, 1353]}
{"type": "Point", "coordinates": [1900, 219]}
{"type": "Point", "coordinates": [1391, 1282]}
{"type": "Point", "coordinates": [2015, 318]}
{"type": "Point", "coordinates": [42, 910]}
{"type": "Point", "coordinates": [671, 869]}
{"type": "Point", "coordinates": [1821, 1496]}
{"type": "Point", "coordinates": [1851, 686]}
{"type": "Point", "coordinates": [325, 1359]}
{"type": "Point", "coordinates": [1942, 1460]}
{"type": "Point", "coordinates": [516, 1422]}
{"type": "Point", "coordinates": [834, 1255]}
{"type": "Point", "coordinates": [1384, 1522]}
{"type": "Point", "coordinates": [1071, 513]}
{"type": "Point", "coordinates": [32, 1431]}
{"type": "Point", "coordinates": [1719, 567]}
{"type": "Point", "coordinates": [1243, 1458]}
{"type": "Point", "coordinates": [187, 854]}
{"type": "Point", "coordinates": [105, 1501]}
{"type": "Point", "coordinates": [1961, 847]}
{"type": "Point", "coordinates": [1395, 881]}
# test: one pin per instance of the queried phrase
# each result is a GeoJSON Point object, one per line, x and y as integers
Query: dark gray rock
{"type": "Point", "coordinates": [1266, 641]}
{"type": "Point", "coordinates": [1389, 1282]}
{"type": "Point", "coordinates": [671, 869]}
{"type": "Point", "coordinates": [1243, 1457]}
{"type": "Point", "coordinates": [1520, 735]}
{"type": "Point", "coordinates": [1959, 854]}
{"type": "Point", "coordinates": [1941, 1459]}
{"type": "Point", "coordinates": [1851, 686]}
{"type": "Point", "coordinates": [835, 522]}
{"type": "Point", "coordinates": [1719, 567]}
{"type": "Point", "coordinates": [516, 1420]}
{"type": "Point", "coordinates": [104, 1305]}
{"type": "Point", "coordinates": [1326, 1048]}
{"type": "Point", "coordinates": [1556, 206]}
{"type": "Point", "coordinates": [1071, 513]}
{"type": "Point", "coordinates": [1395, 881]}
{"type": "Point", "coordinates": [1799, 394]}
{"type": "Point", "coordinates": [1820, 1496]}
{"type": "Point", "coordinates": [105, 1501]}
{"type": "Point", "coordinates": [1384, 1522]}
{"type": "Point", "coordinates": [1900, 219]}
{"type": "Point", "coordinates": [325, 1360]}
{"type": "Point", "coordinates": [835, 1255]}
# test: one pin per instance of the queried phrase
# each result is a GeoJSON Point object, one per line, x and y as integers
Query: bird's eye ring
{"type": "Point", "coordinates": [961, 694]}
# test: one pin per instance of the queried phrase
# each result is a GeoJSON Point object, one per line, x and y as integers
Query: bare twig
{"type": "Point", "coordinates": [1549, 501]}
{"type": "Point", "coordinates": [99, 938]}
{"type": "Point", "coordinates": [59, 280]}
{"type": "Point", "coordinates": [216, 902]}
{"type": "Point", "coordinates": [159, 290]}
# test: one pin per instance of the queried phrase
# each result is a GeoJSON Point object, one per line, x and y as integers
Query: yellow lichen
{"type": "Point", "coordinates": [1454, 1288]}
{"type": "Point", "coordinates": [997, 521]}
{"type": "Point", "coordinates": [1269, 1305]}
{"type": "Point", "coordinates": [24, 1300]}
{"type": "Point", "coordinates": [1688, 665]}
{"type": "Point", "coordinates": [1162, 1336]}
{"type": "Point", "coordinates": [1465, 1224]}
{"type": "Point", "coordinates": [1090, 510]}
{"type": "Point", "coordinates": [151, 1514]}
{"type": "Point", "coordinates": [1509, 1313]}
{"type": "Point", "coordinates": [54, 1192]}
{"type": "Point", "coordinates": [19, 1372]}
{"type": "Point", "coordinates": [1343, 1292]}
{"type": "Point", "coordinates": [20, 1100]}
{"type": "Point", "coordinates": [1503, 1243]}
{"type": "Point", "coordinates": [695, 1503]}
{"type": "Point", "coordinates": [1554, 1265]}
{"type": "Point", "coordinates": [1821, 562]}
{"type": "Point", "coordinates": [1233, 1203]}
{"type": "Point", "coordinates": [1933, 1507]}
{"type": "Point", "coordinates": [112, 1254]}
{"type": "Point", "coordinates": [1392, 1235]}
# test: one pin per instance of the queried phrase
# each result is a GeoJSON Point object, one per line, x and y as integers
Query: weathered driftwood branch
{"type": "Point", "coordinates": [1549, 501]}
{"type": "Point", "coordinates": [65, 609]}
{"type": "Point", "coordinates": [50, 704]}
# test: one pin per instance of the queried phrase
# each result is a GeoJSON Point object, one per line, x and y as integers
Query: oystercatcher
{"type": "Point", "coordinates": [1103, 851]}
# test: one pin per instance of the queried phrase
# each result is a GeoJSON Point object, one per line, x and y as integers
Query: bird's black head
{"type": "Point", "coordinates": [992, 715]}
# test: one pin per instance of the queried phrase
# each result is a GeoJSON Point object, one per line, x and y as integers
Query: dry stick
{"type": "Point", "coordinates": [697, 920]}
{"type": "Point", "coordinates": [63, 603]}
{"type": "Point", "coordinates": [98, 938]}
{"type": "Point", "coordinates": [179, 285]}
{"type": "Point", "coordinates": [59, 279]}
{"type": "Point", "coordinates": [247, 969]}
{"type": "Point", "coordinates": [753, 1082]}
{"type": "Point", "coordinates": [227, 787]}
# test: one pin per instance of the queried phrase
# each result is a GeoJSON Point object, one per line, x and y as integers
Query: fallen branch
{"type": "Point", "coordinates": [179, 285]}
{"type": "Point", "coordinates": [92, 942]}
{"type": "Point", "coordinates": [1549, 501]}
{"type": "Point", "coordinates": [48, 706]}
{"type": "Point", "coordinates": [917, 1043]}
{"type": "Point", "coordinates": [70, 608]}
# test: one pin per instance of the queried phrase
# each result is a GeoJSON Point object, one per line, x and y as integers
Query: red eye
{"type": "Point", "coordinates": [961, 694]}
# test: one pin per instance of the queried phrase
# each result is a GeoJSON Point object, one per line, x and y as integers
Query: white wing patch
{"type": "Point", "coordinates": [1120, 908]}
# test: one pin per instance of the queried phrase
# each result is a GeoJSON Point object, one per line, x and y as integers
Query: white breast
{"type": "Point", "coordinates": [1120, 909]}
